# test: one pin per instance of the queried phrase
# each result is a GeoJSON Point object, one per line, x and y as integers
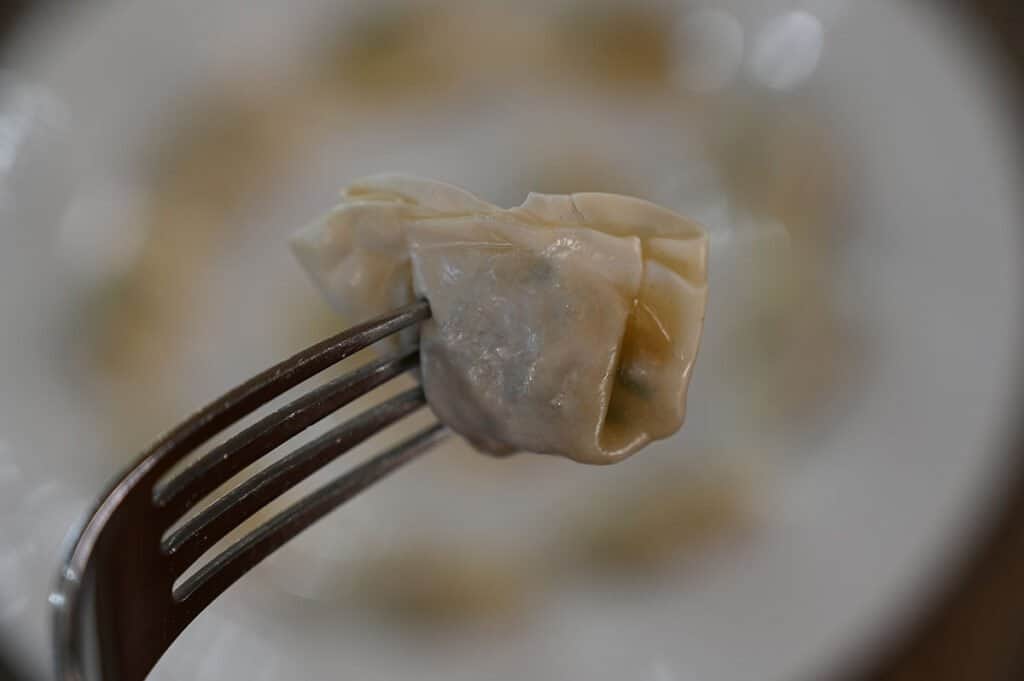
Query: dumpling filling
{"type": "Point", "coordinates": [568, 325]}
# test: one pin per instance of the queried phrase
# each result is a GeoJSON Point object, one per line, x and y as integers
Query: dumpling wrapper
{"type": "Point", "coordinates": [568, 325]}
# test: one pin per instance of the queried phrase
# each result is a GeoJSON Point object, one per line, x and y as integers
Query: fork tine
{"type": "Point", "coordinates": [265, 386]}
{"type": "Point", "coordinates": [213, 578]}
{"type": "Point", "coordinates": [195, 537]}
{"type": "Point", "coordinates": [227, 459]}
{"type": "Point", "coordinates": [116, 609]}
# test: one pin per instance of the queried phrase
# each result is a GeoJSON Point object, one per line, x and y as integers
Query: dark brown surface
{"type": "Point", "coordinates": [976, 630]}
{"type": "Point", "coordinates": [10, 11]}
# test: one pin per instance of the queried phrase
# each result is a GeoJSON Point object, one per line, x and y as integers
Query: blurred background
{"type": "Point", "coordinates": [846, 499]}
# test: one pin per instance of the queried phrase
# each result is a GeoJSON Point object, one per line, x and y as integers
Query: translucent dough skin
{"type": "Point", "coordinates": [568, 325]}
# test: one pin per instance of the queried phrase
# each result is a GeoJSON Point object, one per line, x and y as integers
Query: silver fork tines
{"type": "Point", "coordinates": [117, 608]}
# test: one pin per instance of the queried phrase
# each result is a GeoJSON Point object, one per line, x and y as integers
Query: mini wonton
{"type": "Point", "coordinates": [568, 325]}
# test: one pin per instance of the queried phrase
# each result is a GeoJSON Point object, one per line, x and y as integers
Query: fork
{"type": "Point", "coordinates": [121, 600]}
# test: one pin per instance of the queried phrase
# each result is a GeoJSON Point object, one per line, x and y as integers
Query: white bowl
{"type": "Point", "coordinates": [853, 541]}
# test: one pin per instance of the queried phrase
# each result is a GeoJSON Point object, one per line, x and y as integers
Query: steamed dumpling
{"type": "Point", "coordinates": [568, 325]}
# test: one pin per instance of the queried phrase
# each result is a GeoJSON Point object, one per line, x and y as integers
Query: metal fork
{"type": "Point", "coordinates": [117, 608]}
